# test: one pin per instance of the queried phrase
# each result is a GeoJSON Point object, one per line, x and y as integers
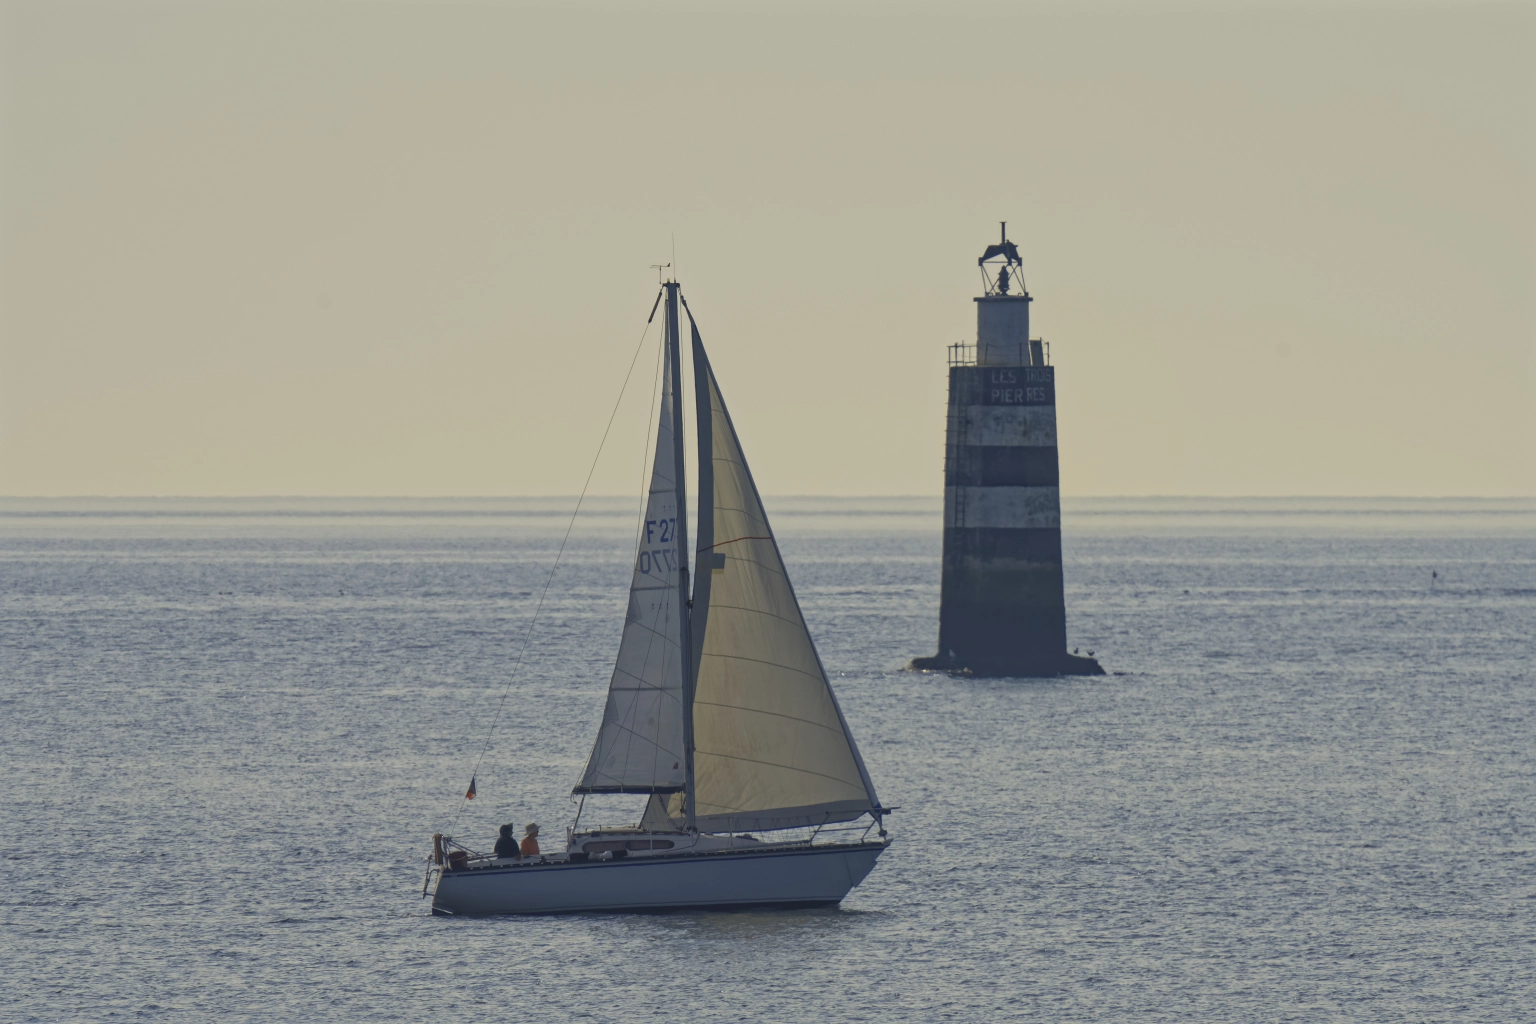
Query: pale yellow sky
{"type": "Point", "coordinates": [362, 248]}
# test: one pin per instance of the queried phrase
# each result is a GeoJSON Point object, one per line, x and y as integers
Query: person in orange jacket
{"type": "Point", "coordinates": [531, 841]}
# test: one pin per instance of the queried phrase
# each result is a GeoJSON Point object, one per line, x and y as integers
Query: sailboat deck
{"type": "Point", "coordinates": [620, 843]}
{"type": "Point", "coordinates": [564, 860]}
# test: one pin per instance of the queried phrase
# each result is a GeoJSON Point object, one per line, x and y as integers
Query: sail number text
{"type": "Point", "coordinates": [659, 560]}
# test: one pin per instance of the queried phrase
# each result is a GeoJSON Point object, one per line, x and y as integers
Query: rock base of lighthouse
{"type": "Point", "coordinates": [1070, 665]}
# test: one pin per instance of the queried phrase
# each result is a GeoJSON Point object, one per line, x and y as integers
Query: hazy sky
{"type": "Point", "coordinates": [364, 248]}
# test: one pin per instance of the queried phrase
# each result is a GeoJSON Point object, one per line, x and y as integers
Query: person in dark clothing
{"type": "Point", "coordinates": [506, 846]}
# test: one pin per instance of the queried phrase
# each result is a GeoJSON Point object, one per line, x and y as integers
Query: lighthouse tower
{"type": "Point", "coordinates": [1002, 608]}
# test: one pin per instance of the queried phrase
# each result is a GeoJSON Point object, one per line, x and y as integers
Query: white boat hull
{"type": "Point", "coordinates": [805, 876]}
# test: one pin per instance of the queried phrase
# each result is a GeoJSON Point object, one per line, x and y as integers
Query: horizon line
{"type": "Point", "coordinates": [775, 496]}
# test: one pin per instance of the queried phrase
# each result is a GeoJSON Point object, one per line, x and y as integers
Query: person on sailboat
{"type": "Point", "coordinates": [531, 841]}
{"type": "Point", "coordinates": [507, 846]}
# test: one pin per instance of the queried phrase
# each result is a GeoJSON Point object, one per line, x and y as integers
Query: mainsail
{"type": "Point", "coordinates": [771, 748]}
{"type": "Point", "coordinates": [640, 747]}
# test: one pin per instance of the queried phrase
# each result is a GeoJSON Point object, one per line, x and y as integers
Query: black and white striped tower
{"type": "Point", "coordinates": [1002, 607]}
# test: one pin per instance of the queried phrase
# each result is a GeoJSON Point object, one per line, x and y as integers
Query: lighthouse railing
{"type": "Point", "coordinates": [961, 354]}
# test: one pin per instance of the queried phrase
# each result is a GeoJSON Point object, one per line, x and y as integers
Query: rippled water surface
{"type": "Point", "coordinates": [1306, 792]}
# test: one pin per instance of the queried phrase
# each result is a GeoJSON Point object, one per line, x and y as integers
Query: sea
{"type": "Point", "coordinates": [1304, 791]}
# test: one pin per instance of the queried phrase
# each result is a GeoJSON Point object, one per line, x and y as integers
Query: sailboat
{"type": "Point", "coordinates": [719, 712]}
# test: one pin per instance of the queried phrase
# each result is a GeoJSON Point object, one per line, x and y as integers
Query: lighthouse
{"type": "Point", "coordinates": [1002, 609]}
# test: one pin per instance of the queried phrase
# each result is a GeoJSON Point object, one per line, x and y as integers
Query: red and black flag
{"type": "Point", "coordinates": [470, 793]}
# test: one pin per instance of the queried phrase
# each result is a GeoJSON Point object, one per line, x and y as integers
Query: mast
{"type": "Point", "coordinates": [675, 360]}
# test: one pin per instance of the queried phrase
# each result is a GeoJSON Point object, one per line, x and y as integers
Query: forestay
{"type": "Point", "coordinates": [639, 748]}
{"type": "Point", "coordinates": [771, 748]}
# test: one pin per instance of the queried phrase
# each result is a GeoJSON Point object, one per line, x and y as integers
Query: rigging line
{"type": "Point", "coordinates": [558, 555]}
{"type": "Point", "coordinates": [733, 541]}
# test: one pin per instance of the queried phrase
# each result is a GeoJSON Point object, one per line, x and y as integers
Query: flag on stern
{"type": "Point", "coordinates": [469, 794]}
